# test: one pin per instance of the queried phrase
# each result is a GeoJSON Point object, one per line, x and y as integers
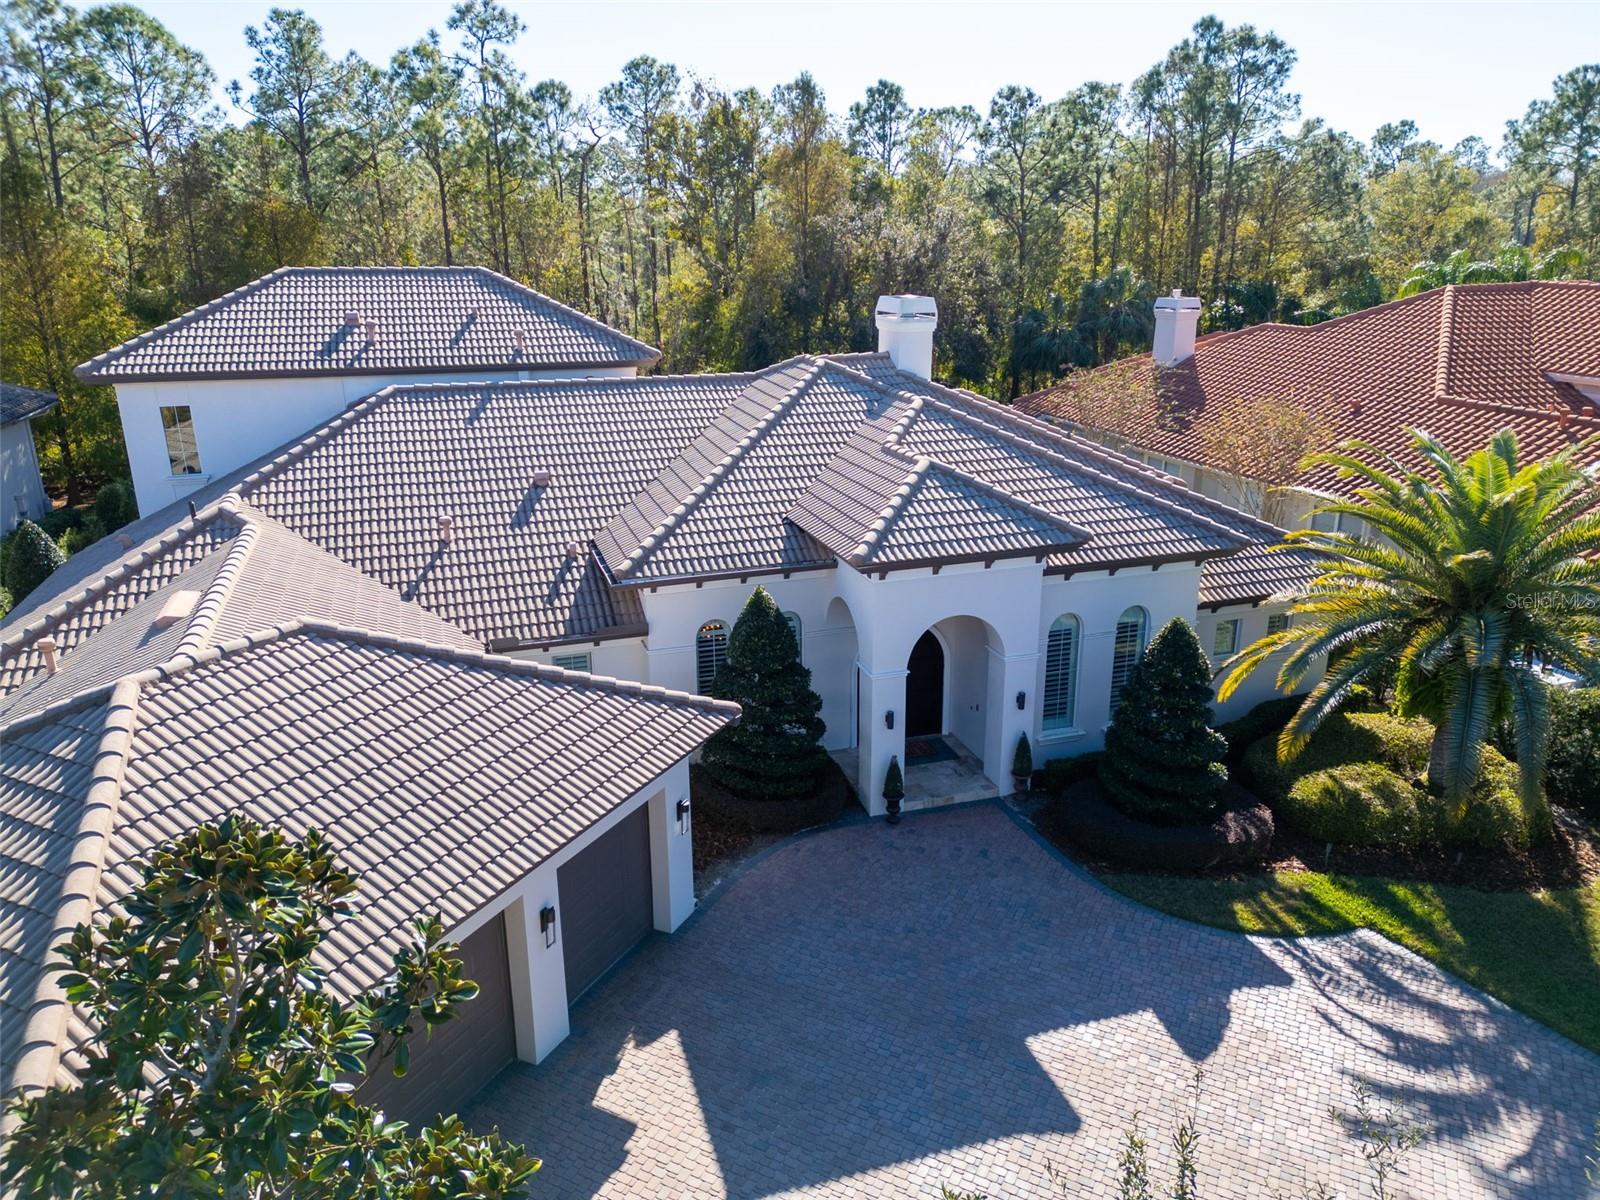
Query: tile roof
{"type": "Point", "coordinates": [1462, 362]}
{"type": "Point", "coordinates": [293, 322]}
{"type": "Point", "coordinates": [441, 776]}
{"type": "Point", "coordinates": [20, 403]}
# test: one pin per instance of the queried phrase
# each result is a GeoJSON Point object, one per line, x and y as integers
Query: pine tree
{"type": "Point", "coordinates": [34, 554]}
{"type": "Point", "coordinates": [774, 751]}
{"type": "Point", "coordinates": [1163, 761]}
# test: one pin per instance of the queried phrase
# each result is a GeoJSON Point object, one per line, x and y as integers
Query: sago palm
{"type": "Point", "coordinates": [1473, 576]}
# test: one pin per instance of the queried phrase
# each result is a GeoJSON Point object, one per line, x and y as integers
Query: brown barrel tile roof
{"type": "Point", "coordinates": [292, 322]}
{"type": "Point", "coordinates": [1462, 362]}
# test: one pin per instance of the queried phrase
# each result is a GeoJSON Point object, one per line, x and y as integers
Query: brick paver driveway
{"type": "Point", "coordinates": [873, 1012]}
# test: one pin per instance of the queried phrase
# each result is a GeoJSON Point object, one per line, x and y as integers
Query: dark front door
{"type": "Point", "coordinates": [605, 900]}
{"type": "Point", "coordinates": [925, 688]}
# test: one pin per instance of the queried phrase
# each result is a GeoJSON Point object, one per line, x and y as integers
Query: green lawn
{"type": "Point", "coordinates": [1539, 953]}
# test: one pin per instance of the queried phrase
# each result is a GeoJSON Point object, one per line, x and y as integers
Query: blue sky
{"type": "Point", "coordinates": [1456, 69]}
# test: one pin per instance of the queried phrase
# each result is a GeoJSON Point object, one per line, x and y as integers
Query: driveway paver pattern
{"type": "Point", "coordinates": [874, 1012]}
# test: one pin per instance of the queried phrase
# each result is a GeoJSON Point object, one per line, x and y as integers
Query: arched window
{"type": "Point", "coordinates": [1126, 649]}
{"type": "Point", "coordinates": [794, 627]}
{"type": "Point", "coordinates": [710, 652]}
{"type": "Point", "coordinates": [1061, 672]}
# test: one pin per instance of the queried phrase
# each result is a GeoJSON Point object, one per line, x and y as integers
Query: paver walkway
{"type": "Point", "coordinates": [875, 1011]}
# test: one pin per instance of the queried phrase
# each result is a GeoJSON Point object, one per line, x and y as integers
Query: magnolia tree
{"type": "Point", "coordinates": [223, 1065]}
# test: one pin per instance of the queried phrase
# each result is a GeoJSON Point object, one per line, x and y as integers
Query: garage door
{"type": "Point", "coordinates": [605, 900]}
{"type": "Point", "coordinates": [460, 1056]}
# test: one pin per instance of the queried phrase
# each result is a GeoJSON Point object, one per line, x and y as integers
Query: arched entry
{"type": "Point", "coordinates": [925, 688]}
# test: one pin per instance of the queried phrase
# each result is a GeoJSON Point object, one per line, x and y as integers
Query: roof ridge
{"type": "Point", "coordinates": [1441, 366]}
{"type": "Point", "coordinates": [85, 370]}
{"type": "Point", "coordinates": [653, 353]}
{"type": "Point", "coordinates": [216, 597]}
{"type": "Point", "coordinates": [122, 569]}
{"type": "Point", "coordinates": [652, 540]}
{"type": "Point", "coordinates": [296, 451]}
{"type": "Point", "coordinates": [897, 501]}
{"type": "Point", "coordinates": [39, 1053]}
{"type": "Point", "coordinates": [514, 385]}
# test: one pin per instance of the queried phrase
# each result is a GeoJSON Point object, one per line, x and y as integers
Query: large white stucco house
{"type": "Point", "coordinates": [464, 624]}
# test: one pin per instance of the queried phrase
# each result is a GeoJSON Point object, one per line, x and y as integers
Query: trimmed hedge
{"type": "Point", "coordinates": [717, 803]}
{"type": "Point", "coordinates": [1057, 775]}
{"type": "Point", "coordinates": [1360, 781]}
{"type": "Point", "coordinates": [1572, 766]}
{"type": "Point", "coordinates": [1240, 833]}
{"type": "Point", "coordinates": [1268, 717]}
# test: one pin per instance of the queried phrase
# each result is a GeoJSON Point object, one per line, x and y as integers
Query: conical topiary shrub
{"type": "Point", "coordinates": [1163, 761]}
{"type": "Point", "coordinates": [33, 555]}
{"type": "Point", "coordinates": [774, 752]}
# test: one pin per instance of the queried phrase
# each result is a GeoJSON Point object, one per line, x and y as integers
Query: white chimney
{"type": "Point", "coordinates": [1177, 316]}
{"type": "Point", "coordinates": [905, 332]}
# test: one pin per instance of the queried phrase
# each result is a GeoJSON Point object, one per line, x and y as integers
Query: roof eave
{"type": "Point", "coordinates": [109, 374]}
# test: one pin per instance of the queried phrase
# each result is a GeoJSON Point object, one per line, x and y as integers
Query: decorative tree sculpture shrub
{"type": "Point", "coordinates": [224, 1065]}
{"type": "Point", "coordinates": [774, 752]}
{"type": "Point", "coordinates": [34, 554]}
{"type": "Point", "coordinates": [1163, 761]}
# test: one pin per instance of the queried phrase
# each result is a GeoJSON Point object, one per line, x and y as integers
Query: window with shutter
{"type": "Point", "coordinates": [1060, 672]}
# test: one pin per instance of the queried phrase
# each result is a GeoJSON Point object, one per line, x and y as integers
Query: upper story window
{"type": "Point", "coordinates": [1127, 646]}
{"type": "Point", "coordinates": [794, 627]}
{"type": "Point", "coordinates": [710, 653]}
{"type": "Point", "coordinates": [572, 662]}
{"type": "Point", "coordinates": [178, 424]}
{"type": "Point", "coordinates": [1060, 672]}
{"type": "Point", "coordinates": [1225, 638]}
{"type": "Point", "coordinates": [1277, 622]}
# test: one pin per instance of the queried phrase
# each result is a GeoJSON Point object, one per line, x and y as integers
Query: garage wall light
{"type": "Point", "coordinates": [683, 815]}
{"type": "Point", "coordinates": [547, 924]}
{"type": "Point", "coordinates": [888, 719]}
{"type": "Point", "coordinates": [1022, 701]}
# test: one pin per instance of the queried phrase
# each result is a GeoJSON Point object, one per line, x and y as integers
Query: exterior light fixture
{"type": "Point", "coordinates": [888, 719]}
{"type": "Point", "coordinates": [683, 815]}
{"type": "Point", "coordinates": [1022, 701]}
{"type": "Point", "coordinates": [547, 924]}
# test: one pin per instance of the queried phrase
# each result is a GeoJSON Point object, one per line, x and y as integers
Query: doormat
{"type": "Point", "coordinates": [920, 751]}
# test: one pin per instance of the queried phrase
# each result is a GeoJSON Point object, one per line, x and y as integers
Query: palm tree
{"type": "Point", "coordinates": [1512, 264]}
{"type": "Point", "coordinates": [1476, 576]}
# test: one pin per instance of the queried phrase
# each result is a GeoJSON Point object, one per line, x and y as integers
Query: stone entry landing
{"type": "Point", "coordinates": [947, 780]}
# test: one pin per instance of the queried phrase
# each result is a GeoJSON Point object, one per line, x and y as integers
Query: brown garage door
{"type": "Point", "coordinates": [605, 900]}
{"type": "Point", "coordinates": [449, 1065]}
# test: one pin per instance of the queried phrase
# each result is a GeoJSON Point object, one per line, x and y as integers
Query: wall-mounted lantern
{"type": "Point", "coordinates": [1022, 701]}
{"type": "Point", "coordinates": [888, 719]}
{"type": "Point", "coordinates": [683, 815]}
{"type": "Point", "coordinates": [547, 924]}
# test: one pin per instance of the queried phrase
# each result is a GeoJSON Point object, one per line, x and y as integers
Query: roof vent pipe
{"type": "Point", "coordinates": [352, 318]}
{"type": "Point", "coordinates": [542, 477]}
{"type": "Point", "coordinates": [372, 329]}
{"type": "Point", "coordinates": [905, 332]}
{"type": "Point", "coordinates": [1177, 317]}
{"type": "Point", "coordinates": [520, 336]}
{"type": "Point", "coordinates": [446, 528]}
{"type": "Point", "coordinates": [574, 550]}
{"type": "Point", "coordinates": [47, 647]}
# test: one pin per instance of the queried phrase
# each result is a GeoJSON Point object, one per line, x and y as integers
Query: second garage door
{"type": "Point", "coordinates": [605, 900]}
{"type": "Point", "coordinates": [451, 1063]}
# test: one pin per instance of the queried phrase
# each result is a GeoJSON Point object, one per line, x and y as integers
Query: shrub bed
{"type": "Point", "coordinates": [1360, 781]}
{"type": "Point", "coordinates": [716, 802]}
{"type": "Point", "coordinates": [1572, 767]}
{"type": "Point", "coordinates": [1266, 718]}
{"type": "Point", "coordinates": [1240, 833]}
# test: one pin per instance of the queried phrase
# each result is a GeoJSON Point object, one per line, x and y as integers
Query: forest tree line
{"type": "Point", "coordinates": [732, 228]}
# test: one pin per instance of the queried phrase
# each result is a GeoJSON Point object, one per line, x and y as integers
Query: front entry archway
{"type": "Point", "coordinates": [925, 688]}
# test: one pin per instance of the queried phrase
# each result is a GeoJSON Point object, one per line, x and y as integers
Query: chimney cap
{"type": "Point", "coordinates": [1178, 302]}
{"type": "Point", "coordinates": [907, 308]}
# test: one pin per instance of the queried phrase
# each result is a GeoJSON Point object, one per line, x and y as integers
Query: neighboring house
{"type": "Point", "coordinates": [215, 388]}
{"type": "Point", "coordinates": [229, 665]}
{"type": "Point", "coordinates": [21, 489]}
{"type": "Point", "coordinates": [1462, 362]}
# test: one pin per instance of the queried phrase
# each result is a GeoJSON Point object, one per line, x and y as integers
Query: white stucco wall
{"type": "Point", "coordinates": [21, 489]}
{"type": "Point", "coordinates": [238, 420]}
{"type": "Point", "coordinates": [538, 972]}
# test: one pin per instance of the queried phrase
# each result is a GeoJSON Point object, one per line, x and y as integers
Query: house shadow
{"type": "Point", "coordinates": [845, 1007]}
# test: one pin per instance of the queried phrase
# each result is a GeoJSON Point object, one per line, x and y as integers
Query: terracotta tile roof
{"type": "Point", "coordinates": [442, 776]}
{"type": "Point", "coordinates": [294, 322]}
{"type": "Point", "coordinates": [20, 403]}
{"type": "Point", "coordinates": [1462, 362]}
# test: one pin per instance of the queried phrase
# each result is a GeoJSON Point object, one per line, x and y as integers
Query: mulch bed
{"type": "Point", "coordinates": [1569, 859]}
{"type": "Point", "coordinates": [729, 829]}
